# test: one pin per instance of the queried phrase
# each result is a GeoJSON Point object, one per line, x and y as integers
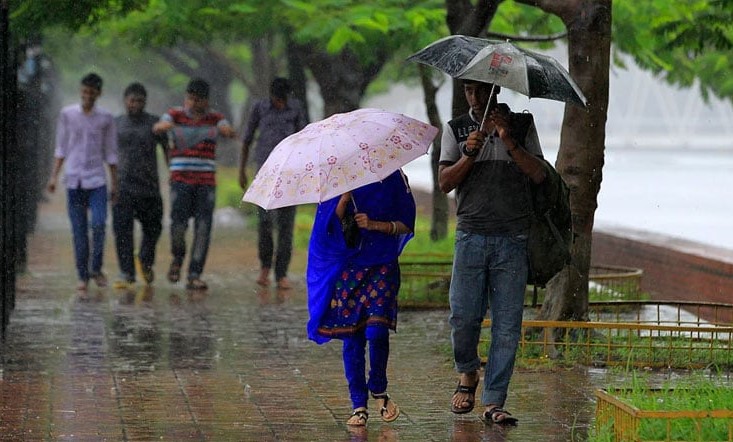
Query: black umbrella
{"type": "Point", "coordinates": [503, 64]}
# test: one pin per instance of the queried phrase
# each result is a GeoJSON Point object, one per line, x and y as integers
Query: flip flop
{"type": "Point", "coordinates": [362, 417]}
{"type": "Point", "coordinates": [499, 416]}
{"type": "Point", "coordinates": [384, 410]}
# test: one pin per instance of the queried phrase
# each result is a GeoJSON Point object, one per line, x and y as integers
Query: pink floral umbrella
{"type": "Point", "coordinates": [338, 154]}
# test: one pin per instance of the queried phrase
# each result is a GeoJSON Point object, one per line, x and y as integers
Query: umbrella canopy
{"type": "Point", "coordinates": [503, 64]}
{"type": "Point", "coordinates": [336, 155]}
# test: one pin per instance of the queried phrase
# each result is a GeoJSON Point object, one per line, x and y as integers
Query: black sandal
{"type": "Point", "coordinates": [362, 414]}
{"type": "Point", "coordinates": [499, 416]}
{"type": "Point", "coordinates": [385, 397]}
{"type": "Point", "coordinates": [471, 390]}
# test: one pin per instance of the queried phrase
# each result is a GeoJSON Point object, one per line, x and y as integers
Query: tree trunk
{"type": "Point", "coordinates": [463, 18]}
{"type": "Point", "coordinates": [218, 74]}
{"type": "Point", "coordinates": [342, 77]}
{"type": "Point", "coordinates": [439, 226]}
{"type": "Point", "coordinates": [296, 73]}
{"type": "Point", "coordinates": [582, 142]}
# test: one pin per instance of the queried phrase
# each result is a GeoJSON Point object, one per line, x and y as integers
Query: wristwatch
{"type": "Point", "coordinates": [469, 153]}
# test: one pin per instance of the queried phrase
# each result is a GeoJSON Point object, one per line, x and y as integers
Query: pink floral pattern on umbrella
{"type": "Point", "coordinates": [338, 154]}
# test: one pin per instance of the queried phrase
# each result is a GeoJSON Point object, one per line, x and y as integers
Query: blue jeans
{"type": "Point", "coordinates": [197, 202]}
{"type": "Point", "coordinates": [355, 363]}
{"type": "Point", "coordinates": [78, 203]}
{"type": "Point", "coordinates": [488, 271]}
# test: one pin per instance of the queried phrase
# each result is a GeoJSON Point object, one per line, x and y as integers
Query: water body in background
{"type": "Point", "coordinates": [668, 161]}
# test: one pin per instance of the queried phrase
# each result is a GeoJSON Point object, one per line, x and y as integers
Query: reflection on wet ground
{"type": "Point", "coordinates": [233, 363]}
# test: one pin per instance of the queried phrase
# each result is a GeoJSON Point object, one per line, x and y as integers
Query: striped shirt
{"type": "Point", "coordinates": [193, 156]}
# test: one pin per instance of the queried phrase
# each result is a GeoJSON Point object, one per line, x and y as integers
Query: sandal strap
{"type": "Point", "coordinates": [362, 414]}
{"type": "Point", "coordinates": [470, 389]}
{"type": "Point", "coordinates": [385, 397]}
{"type": "Point", "coordinates": [491, 413]}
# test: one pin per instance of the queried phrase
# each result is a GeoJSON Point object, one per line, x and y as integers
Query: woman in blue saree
{"type": "Point", "coordinates": [353, 279]}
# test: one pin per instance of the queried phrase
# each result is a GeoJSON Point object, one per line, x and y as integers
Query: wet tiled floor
{"type": "Point", "coordinates": [232, 363]}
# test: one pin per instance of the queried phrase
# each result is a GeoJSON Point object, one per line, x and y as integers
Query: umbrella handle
{"type": "Point", "coordinates": [354, 203]}
{"type": "Point", "coordinates": [488, 103]}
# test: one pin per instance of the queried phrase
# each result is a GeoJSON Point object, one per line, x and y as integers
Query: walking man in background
{"type": "Point", "coordinates": [193, 130]}
{"type": "Point", "coordinates": [489, 160]}
{"type": "Point", "coordinates": [86, 139]}
{"type": "Point", "coordinates": [275, 118]}
{"type": "Point", "coordinates": [139, 189]}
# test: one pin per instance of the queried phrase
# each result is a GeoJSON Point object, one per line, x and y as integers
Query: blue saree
{"type": "Point", "coordinates": [352, 287]}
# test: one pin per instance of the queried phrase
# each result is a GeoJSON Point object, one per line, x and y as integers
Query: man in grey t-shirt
{"type": "Point", "coordinates": [139, 189]}
{"type": "Point", "coordinates": [274, 119]}
{"type": "Point", "coordinates": [489, 159]}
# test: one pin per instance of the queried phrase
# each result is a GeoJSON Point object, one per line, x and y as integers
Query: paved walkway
{"type": "Point", "coordinates": [231, 364]}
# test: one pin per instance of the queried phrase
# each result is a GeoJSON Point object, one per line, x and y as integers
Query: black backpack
{"type": "Point", "coordinates": [551, 227]}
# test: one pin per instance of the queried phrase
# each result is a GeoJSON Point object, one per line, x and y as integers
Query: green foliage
{"type": "Point", "coordinates": [31, 17]}
{"type": "Point", "coordinates": [681, 41]}
{"type": "Point", "coordinates": [365, 27]}
{"type": "Point", "coordinates": [514, 18]}
{"type": "Point", "coordinates": [164, 23]}
{"type": "Point", "coordinates": [228, 192]}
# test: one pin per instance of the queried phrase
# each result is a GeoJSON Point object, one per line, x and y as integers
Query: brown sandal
{"type": "Point", "coordinates": [384, 410]}
{"type": "Point", "coordinates": [362, 416]}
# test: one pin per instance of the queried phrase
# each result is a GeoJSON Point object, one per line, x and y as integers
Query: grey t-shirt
{"type": "Point", "coordinates": [137, 167]}
{"type": "Point", "coordinates": [492, 199]}
{"type": "Point", "coordinates": [274, 125]}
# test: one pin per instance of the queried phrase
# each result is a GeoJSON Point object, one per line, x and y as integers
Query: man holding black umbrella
{"type": "Point", "coordinates": [489, 157]}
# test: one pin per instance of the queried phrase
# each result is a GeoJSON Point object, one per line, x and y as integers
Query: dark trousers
{"type": "Point", "coordinates": [147, 210]}
{"type": "Point", "coordinates": [284, 220]}
{"type": "Point", "coordinates": [197, 202]}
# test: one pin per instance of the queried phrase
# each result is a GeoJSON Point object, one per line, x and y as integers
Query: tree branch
{"type": "Point", "coordinates": [532, 38]}
{"type": "Point", "coordinates": [561, 8]}
{"type": "Point", "coordinates": [176, 62]}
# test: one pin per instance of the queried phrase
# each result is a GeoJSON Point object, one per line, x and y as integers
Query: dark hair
{"type": "Point", "coordinates": [470, 81]}
{"type": "Point", "coordinates": [198, 87]}
{"type": "Point", "coordinates": [135, 89]}
{"type": "Point", "coordinates": [280, 87]}
{"type": "Point", "coordinates": [92, 80]}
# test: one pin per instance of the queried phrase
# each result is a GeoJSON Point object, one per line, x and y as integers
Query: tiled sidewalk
{"type": "Point", "coordinates": [232, 364]}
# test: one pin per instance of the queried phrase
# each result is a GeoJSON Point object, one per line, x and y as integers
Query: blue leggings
{"type": "Point", "coordinates": [354, 354]}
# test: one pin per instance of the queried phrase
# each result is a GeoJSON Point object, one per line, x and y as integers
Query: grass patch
{"type": "Point", "coordinates": [623, 345]}
{"type": "Point", "coordinates": [693, 408]}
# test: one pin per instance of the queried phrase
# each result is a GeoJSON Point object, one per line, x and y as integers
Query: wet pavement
{"type": "Point", "coordinates": [232, 363]}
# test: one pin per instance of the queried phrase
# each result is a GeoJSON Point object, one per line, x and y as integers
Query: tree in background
{"type": "Point", "coordinates": [345, 45]}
